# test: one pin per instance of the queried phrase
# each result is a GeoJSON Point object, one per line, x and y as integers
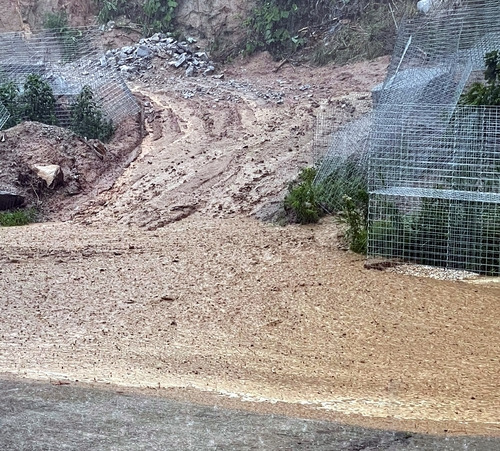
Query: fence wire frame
{"type": "Point", "coordinates": [433, 170]}
{"type": "Point", "coordinates": [448, 232]}
{"type": "Point", "coordinates": [343, 168]}
{"type": "Point", "coordinates": [4, 115]}
{"type": "Point", "coordinates": [68, 61]}
{"type": "Point", "coordinates": [435, 187]}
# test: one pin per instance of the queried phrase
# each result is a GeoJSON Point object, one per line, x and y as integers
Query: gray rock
{"type": "Point", "coordinates": [128, 50]}
{"type": "Point", "coordinates": [202, 56]}
{"type": "Point", "coordinates": [180, 61]}
{"type": "Point", "coordinates": [209, 70]}
{"type": "Point", "coordinates": [190, 71]}
{"type": "Point", "coordinates": [143, 52]}
{"type": "Point", "coordinates": [127, 68]}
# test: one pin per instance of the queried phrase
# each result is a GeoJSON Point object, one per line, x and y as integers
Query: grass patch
{"type": "Point", "coordinates": [17, 217]}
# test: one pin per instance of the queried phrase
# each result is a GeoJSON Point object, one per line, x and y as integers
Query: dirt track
{"type": "Point", "coordinates": [223, 303]}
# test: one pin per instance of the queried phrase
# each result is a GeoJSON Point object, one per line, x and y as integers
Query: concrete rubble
{"type": "Point", "coordinates": [135, 59]}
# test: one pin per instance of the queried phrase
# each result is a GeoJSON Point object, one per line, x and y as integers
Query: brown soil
{"type": "Point", "coordinates": [169, 279]}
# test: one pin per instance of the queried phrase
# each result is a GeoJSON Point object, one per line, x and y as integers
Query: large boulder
{"type": "Point", "coordinates": [51, 174]}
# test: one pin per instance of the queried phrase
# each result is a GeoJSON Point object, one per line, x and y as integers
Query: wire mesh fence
{"type": "Point", "coordinates": [4, 115]}
{"type": "Point", "coordinates": [434, 186]}
{"type": "Point", "coordinates": [68, 60]}
{"type": "Point", "coordinates": [343, 169]}
{"type": "Point", "coordinates": [431, 166]}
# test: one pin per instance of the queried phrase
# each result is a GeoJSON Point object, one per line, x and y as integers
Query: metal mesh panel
{"type": "Point", "coordinates": [433, 171]}
{"type": "Point", "coordinates": [4, 116]}
{"type": "Point", "coordinates": [435, 187]}
{"type": "Point", "coordinates": [343, 169]}
{"type": "Point", "coordinates": [67, 61]}
{"type": "Point", "coordinates": [438, 231]}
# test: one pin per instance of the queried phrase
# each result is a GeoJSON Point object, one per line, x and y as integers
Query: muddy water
{"type": "Point", "coordinates": [36, 416]}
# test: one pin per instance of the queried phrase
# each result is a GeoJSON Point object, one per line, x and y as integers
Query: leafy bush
{"type": "Point", "coordinates": [9, 98]}
{"type": "Point", "coordinates": [153, 15]}
{"type": "Point", "coordinates": [158, 15]}
{"type": "Point", "coordinates": [488, 93]}
{"type": "Point", "coordinates": [37, 101]}
{"type": "Point", "coordinates": [271, 27]}
{"type": "Point", "coordinates": [110, 9]}
{"type": "Point", "coordinates": [301, 202]}
{"type": "Point", "coordinates": [56, 21]}
{"type": "Point", "coordinates": [17, 217]}
{"type": "Point", "coordinates": [87, 119]}
{"type": "Point", "coordinates": [355, 215]}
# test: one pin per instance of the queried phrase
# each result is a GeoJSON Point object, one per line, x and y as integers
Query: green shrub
{"type": "Point", "coordinates": [153, 15]}
{"type": "Point", "coordinates": [355, 215]}
{"type": "Point", "coordinates": [56, 21]}
{"type": "Point", "coordinates": [37, 101]}
{"type": "Point", "coordinates": [301, 203]}
{"type": "Point", "coordinates": [87, 119]}
{"type": "Point", "coordinates": [111, 9]}
{"type": "Point", "coordinates": [486, 93]}
{"type": "Point", "coordinates": [158, 15]}
{"type": "Point", "coordinates": [9, 98]}
{"type": "Point", "coordinates": [17, 217]}
{"type": "Point", "coordinates": [349, 179]}
{"type": "Point", "coordinates": [271, 27]}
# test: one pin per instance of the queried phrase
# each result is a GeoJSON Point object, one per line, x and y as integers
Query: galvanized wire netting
{"type": "Point", "coordinates": [431, 166]}
{"type": "Point", "coordinates": [343, 168]}
{"type": "Point", "coordinates": [434, 186]}
{"type": "Point", "coordinates": [68, 61]}
{"type": "Point", "coordinates": [4, 115]}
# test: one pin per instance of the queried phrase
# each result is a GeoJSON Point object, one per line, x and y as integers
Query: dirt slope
{"type": "Point", "coordinates": [230, 146]}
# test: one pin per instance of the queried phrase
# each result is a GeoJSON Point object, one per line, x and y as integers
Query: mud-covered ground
{"type": "Point", "coordinates": [170, 280]}
{"type": "Point", "coordinates": [253, 311]}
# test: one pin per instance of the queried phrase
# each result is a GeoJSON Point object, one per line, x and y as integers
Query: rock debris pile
{"type": "Point", "coordinates": [133, 60]}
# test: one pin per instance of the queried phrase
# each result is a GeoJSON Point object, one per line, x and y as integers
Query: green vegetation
{"type": "Point", "coordinates": [355, 215]}
{"type": "Point", "coordinates": [153, 15]}
{"type": "Point", "coordinates": [486, 93]}
{"type": "Point", "coordinates": [158, 15]}
{"type": "Point", "coordinates": [301, 202]}
{"type": "Point", "coordinates": [330, 30]}
{"type": "Point", "coordinates": [70, 38]}
{"type": "Point", "coordinates": [87, 119]}
{"type": "Point", "coordinates": [9, 98]}
{"type": "Point", "coordinates": [37, 100]}
{"type": "Point", "coordinates": [271, 27]}
{"type": "Point", "coordinates": [35, 103]}
{"type": "Point", "coordinates": [17, 217]}
{"type": "Point", "coordinates": [56, 21]}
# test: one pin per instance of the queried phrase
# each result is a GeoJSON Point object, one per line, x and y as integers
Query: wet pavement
{"type": "Point", "coordinates": [36, 416]}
